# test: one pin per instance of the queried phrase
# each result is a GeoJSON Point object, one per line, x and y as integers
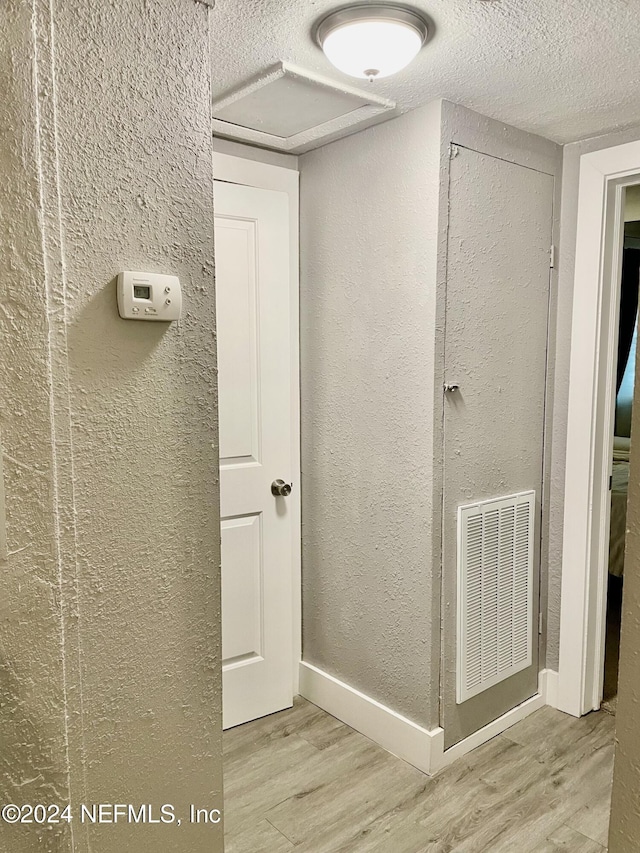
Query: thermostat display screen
{"type": "Point", "coordinates": [142, 291]}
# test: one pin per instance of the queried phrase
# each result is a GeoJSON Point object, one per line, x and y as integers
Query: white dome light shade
{"type": "Point", "coordinates": [371, 41]}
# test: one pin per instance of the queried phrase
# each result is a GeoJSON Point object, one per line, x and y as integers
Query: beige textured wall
{"type": "Point", "coordinates": [109, 426]}
{"type": "Point", "coordinates": [632, 204]}
{"type": "Point", "coordinates": [624, 830]}
{"type": "Point", "coordinates": [33, 763]}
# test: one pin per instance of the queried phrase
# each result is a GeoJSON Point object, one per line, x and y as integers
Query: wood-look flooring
{"type": "Point", "coordinates": [302, 781]}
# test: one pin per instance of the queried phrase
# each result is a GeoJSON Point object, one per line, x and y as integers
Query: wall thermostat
{"type": "Point", "coordinates": [149, 296]}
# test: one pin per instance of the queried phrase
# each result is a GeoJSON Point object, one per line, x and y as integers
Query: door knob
{"type": "Point", "coordinates": [281, 489]}
{"type": "Point", "coordinates": [451, 386]}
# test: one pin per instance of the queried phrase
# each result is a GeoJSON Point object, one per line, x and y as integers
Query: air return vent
{"type": "Point", "coordinates": [495, 591]}
{"type": "Point", "coordinates": [291, 109]}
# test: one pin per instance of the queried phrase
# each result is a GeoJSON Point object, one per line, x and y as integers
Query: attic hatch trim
{"type": "Point", "coordinates": [375, 110]}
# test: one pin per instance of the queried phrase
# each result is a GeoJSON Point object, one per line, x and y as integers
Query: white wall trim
{"type": "Point", "coordinates": [387, 728]}
{"type": "Point", "coordinates": [418, 746]}
{"type": "Point", "coordinates": [491, 730]}
{"type": "Point", "coordinates": [252, 173]}
{"type": "Point", "coordinates": [603, 176]}
{"type": "Point", "coordinates": [549, 687]}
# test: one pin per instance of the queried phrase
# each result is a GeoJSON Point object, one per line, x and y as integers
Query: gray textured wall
{"type": "Point", "coordinates": [374, 256]}
{"type": "Point", "coordinates": [624, 829]}
{"type": "Point", "coordinates": [564, 307]}
{"type": "Point", "coordinates": [497, 309]}
{"type": "Point", "coordinates": [112, 484]}
{"type": "Point", "coordinates": [472, 130]}
{"type": "Point", "coordinates": [367, 325]}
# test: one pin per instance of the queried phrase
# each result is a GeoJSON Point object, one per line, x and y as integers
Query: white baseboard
{"type": "Point", "coordinates": [390, 730]}
{"type": "Point", "coordinates": [418, 746]}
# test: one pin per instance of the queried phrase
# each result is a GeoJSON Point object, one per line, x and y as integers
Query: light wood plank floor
{"type": "Point", "coordinates": [302, 781]}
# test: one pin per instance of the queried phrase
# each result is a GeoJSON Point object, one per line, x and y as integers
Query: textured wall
{"type": "Point", "coordinates": [564, 307]}
{"type": "Point", "coordinates": [367, 327]}
{"type": "Point", "coordinates": [129, 473]}
{"type": "Point", "coordinates": [374, 250]}
{"type": "Point", "coordinates": [33, 761]}
{"type": "Point", "coordinates": [472, 130]}
{"type": "Point", "coordinates": [624, 829]}
{"type": "Point", "coordinates": [632, 204]}
{"type": "Point", "coordinates": [497, 309]}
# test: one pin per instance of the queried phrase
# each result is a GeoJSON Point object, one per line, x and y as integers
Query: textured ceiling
{"type": "Point", "coordinates": [565, 69]}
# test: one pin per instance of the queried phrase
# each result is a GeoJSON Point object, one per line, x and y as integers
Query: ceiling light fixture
{"type": "Point", "coordinates": [371, 41]}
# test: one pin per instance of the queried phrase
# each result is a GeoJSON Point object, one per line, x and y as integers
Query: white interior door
{"type": "Point", "coordinates": [254, 380]}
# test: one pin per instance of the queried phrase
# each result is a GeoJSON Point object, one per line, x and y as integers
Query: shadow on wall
{"type": "Point", "coordinates": [112, 349]}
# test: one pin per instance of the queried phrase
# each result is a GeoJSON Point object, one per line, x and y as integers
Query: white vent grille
{"type": "Point", "coordinates": [495, 591]}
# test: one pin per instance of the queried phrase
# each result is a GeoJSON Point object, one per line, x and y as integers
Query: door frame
{"type": "Point", "coordinates": [604, 176]}
{"type": "Point", "coordinates": [251, 173]}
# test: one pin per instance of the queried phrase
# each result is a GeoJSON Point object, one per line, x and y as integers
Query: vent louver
{"type": "Point", "coordinates": [495, 591]}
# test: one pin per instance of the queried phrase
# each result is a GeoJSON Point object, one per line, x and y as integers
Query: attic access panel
{"type": "Point", "coordinates": [292, 110]}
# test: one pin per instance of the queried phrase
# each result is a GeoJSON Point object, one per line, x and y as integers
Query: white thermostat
{"type": "Point", "coordinates": [149, 296]}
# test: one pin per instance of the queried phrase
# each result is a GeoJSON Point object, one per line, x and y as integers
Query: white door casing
{"type": "Point", "coordinates": [594, 338]}
{"type": "Point", "coordinates": [257, 434]}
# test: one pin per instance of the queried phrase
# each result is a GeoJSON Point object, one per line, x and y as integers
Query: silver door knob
{"type": "Point", "coordinates": [281, 489]}
{"type": "Point", "coordinates": [451, 386]}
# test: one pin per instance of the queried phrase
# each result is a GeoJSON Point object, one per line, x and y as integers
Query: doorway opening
{"type": "Point", "coordinates": [625, 381]}
{"type": "Point", "coordinates": [596, 478]}
{"type": "Point", "coordinates": [256, 253]}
